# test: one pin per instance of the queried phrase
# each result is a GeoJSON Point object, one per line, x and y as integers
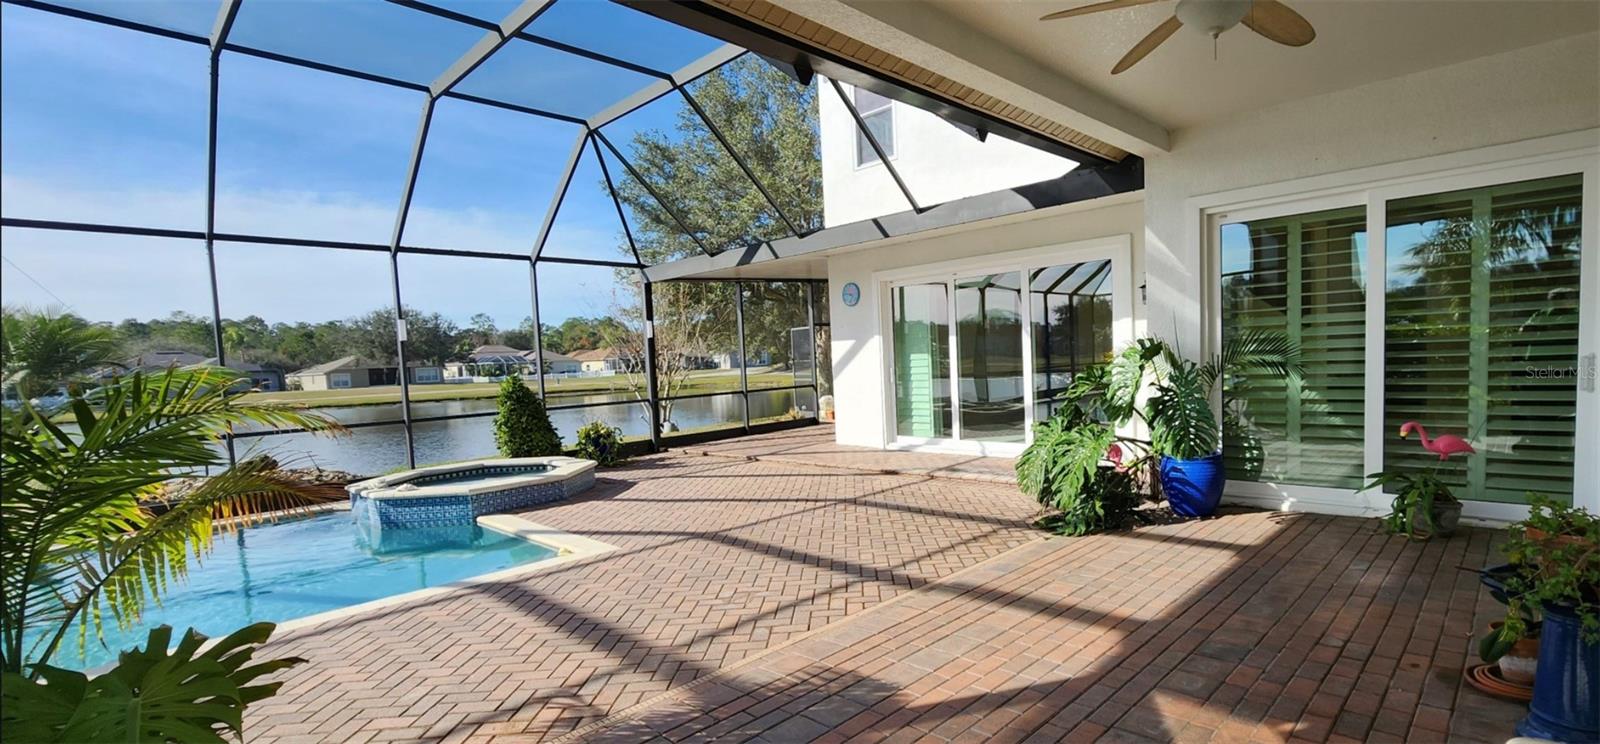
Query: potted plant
{"type": "Point", "coordinates": [1556, 556]}
{"type": "Point", "coordinates": [1512, 644]}
{"type": "Point", "coordinates": [1423, 505]}
{"type": "Point", "coordinates": [1070, 452]}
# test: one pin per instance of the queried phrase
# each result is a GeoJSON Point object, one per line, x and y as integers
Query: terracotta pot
{"type": "Point", "coordinates": [1554, 542]}
{"type": "Point", "coordinates": [1520, 663]}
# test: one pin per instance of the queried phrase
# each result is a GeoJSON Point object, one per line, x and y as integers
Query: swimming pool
{"type": "Point", "coordinates": [300, 567]}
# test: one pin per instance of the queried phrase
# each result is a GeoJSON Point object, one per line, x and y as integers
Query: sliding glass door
{"type": "Point", "coordinates": [989, 357]}
{"type": "Point", "coordinates": [978, 356]}
{"type": "Point", "coordinates": [1471, 326]}
{"type": "Point", "coordinates": [921, 333]}
{"type": "Point", "coordinates": [1482, 333]}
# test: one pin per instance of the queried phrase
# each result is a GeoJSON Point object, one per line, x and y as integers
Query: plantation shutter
{"type": "Point", "coordinates": [1482, 334]}
{"type": "Point", "coordinates": [1301, 276]}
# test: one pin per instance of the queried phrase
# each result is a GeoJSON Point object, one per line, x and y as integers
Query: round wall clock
{"type": "Point", "coordinates": [851, 294]}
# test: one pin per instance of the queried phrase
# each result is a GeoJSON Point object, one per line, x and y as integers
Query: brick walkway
{"type": "Point", "coordinates": [718, 560]}
{"type": "Point", "coordinates": [782, 601]}
{"type": "Point", "coordinates": [814, 445]}
{"type": "Point", "coordinates": [1250, 627]}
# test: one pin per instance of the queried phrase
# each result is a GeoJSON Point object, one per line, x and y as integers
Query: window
{"type": "Point", "coordinates": [339, 380]}
{"type": "Point", "coordinates": [878, 112]}
{"type": "Point", "coordinates": [1300, 276]}
{"type": "Point", "coordinates": [426, 374]}
{"type": "Point", "coordinates": [1481, 309]}
{"type": "Point", "coordinates": [1479, 339]}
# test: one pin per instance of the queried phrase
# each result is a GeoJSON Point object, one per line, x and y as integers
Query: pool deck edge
{"type": "Point", "coordinates": [570, 548]}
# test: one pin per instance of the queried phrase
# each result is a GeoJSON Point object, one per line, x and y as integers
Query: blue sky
{"type": "Point", "coordinates": [99, 124]}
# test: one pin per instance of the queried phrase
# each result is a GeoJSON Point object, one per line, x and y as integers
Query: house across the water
{"type": "Point", "coordinates": [357, 372]}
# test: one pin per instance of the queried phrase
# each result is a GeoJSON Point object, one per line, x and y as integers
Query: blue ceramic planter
{"type": "Point", "coordinates": [1566, 688]}
{"type": "Point", "coordinates": [1193, 487]}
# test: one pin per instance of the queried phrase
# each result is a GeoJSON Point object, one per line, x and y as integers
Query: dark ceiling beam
{"type": "Point", "coordinates": [714, 21]}
{"type": "Point", "coordinates": [616, 201]}
{"type": "Point", "coordinates": [1080, 184]}
{"type": "Point", "coordinates": [491, 42]}
{"type": "Point", "coordinates": [877, 147]}
{"type": "Point", "coordinates": [84, 15]}
{"type": "Point", "coordinates": [665, 207]}
{"type": "Point", "coordinates": [682, 76]}
{"type": "Point", "coordinates": [529, 37]}
{"type": "Point", "coordinates": [560, 194]}
{"type": "Point", "coordinates": [226, 15]}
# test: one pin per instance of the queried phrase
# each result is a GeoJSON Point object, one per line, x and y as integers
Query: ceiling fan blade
{"type": "Point", "coordinates": [1148, 44]}
{"type": "Point", "coordinates": [1093, 8]}
{"type": "Point", "coordinates": [1279, 23]}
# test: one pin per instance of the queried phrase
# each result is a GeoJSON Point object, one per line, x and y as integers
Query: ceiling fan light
{"type": "Point", "coordinates": [1212, 16]}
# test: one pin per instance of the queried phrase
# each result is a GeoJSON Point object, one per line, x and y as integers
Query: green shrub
{"type": "Point", "coordinates": [522, 427]}
{"type": "Point", "coordinates": [600, 442]}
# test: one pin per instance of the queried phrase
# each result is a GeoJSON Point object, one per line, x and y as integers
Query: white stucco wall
{"type": "Point", "coordinates": [1531, 92]}
{"type": "Point", "coordinates": [860, 397]}
{"type": "Point", "coordinates": [937, 161]}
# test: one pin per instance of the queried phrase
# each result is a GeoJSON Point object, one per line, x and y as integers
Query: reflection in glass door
{"type": "Point", "coordinates": [978, 356]}
{"type": "Point", "coordinates": [921, 333]}
{"type": "Point", "coordinates": [989, 358]}
{"type": "Point", "coordinates": [1071, 319]}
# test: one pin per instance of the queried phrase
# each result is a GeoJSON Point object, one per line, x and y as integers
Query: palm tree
{"type": "Point", "coordinates": [76, 540]}
{"type": "Point", "coordinates": [43, 350]}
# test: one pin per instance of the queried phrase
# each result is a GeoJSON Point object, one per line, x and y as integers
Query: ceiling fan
{"type": "Point", "coordinates": [1269, 18]}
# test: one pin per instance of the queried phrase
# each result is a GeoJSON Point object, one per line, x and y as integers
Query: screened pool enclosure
{"type": "Point", "coordinates": [359, 203]}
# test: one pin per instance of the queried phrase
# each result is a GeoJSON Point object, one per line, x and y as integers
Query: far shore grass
{"type": "Point", "coordinates": [711, 381]}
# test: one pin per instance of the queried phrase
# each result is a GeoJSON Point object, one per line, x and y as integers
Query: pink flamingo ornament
{"type": "Point", "coordinates": [1444, 446]}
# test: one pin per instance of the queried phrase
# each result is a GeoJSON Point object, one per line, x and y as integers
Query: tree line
{"type": "Point", "coordinates": [56, 346]}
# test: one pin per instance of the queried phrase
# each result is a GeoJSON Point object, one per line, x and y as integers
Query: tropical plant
{"type": "Point", "coordinates": [1556, 552]}
{"type": "Point", "coordinates": [1078, 460]}
{"type": "Point", "coordinates": [1419, 494]}
{"type": "Point", "coordinates": [42, 351]}
{"type": "Point", "coordinates": [600, 442]}
{"type": "Point", "coordinates": [76, 541]}
{"type": "Point", "coordinates": [522, 426]}
{"type": "Point", "coordinates": [185, 695]}
{"type": "Point", "coordinates": [1503, 636]}
{"type": "Point", "coordinates": [1062, 468]}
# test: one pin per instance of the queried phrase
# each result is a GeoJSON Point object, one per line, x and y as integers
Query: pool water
{"type": "Point", "coordinates": [475, 475]}
{"type": "Point", "coordinates": [295, 568]}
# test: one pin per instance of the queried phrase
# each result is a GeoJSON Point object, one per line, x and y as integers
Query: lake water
{"type": "Point", "coordinates": [372, 450]}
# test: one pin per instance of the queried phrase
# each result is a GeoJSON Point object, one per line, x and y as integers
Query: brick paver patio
{"type": "Point", "coordinates": [783, 601]}
{"type": "Point", "coordinates": [815, 446]}
{"type": "Point", "coordinates": [718, 560]}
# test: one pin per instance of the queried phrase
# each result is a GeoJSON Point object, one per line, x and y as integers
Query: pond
{"type": "Point", "coordinates": [372, 450]}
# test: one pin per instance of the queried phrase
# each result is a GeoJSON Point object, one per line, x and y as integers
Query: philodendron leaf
{"type": "Point", "coordinates": [183, 694]}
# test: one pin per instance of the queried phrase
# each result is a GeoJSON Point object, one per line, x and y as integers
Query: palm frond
{"type": "Point", "coordinates": [1255, 350]}
{"type": "Point", "coordinates": [75, 541]}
